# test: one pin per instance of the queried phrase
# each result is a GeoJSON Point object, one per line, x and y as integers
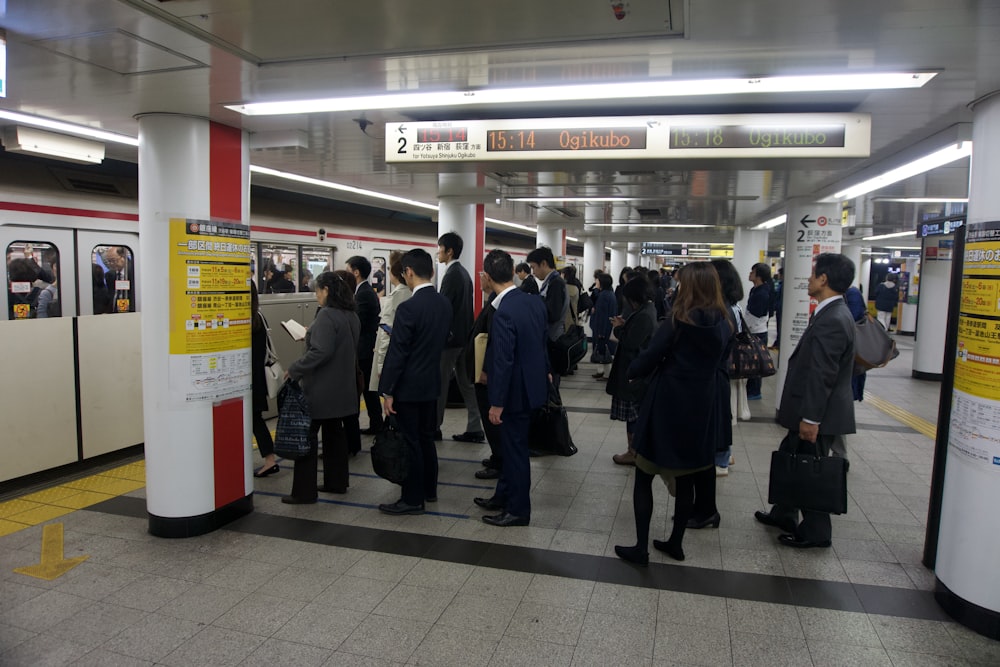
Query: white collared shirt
{"type": "Point", "coordinates": [358, 286]}
{"type": "Point", "coordinates": [421, 286]}
{"type": "Point", "coordinates": [825, 302]}
{"type": "Point", "coordinates": [499, 297]}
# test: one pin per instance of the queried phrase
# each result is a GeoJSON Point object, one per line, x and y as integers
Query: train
{"type": "Point", "coordinates": [74, 390]}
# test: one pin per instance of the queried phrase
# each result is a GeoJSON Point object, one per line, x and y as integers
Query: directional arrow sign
{"type": "Point", "coordinates": [805, 221]}
{"type": "Point", "coordinates": [402, 129]}
{"type": "Point", "coordinates": [53, 565]}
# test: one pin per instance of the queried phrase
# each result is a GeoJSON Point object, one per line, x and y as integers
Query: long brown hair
{"type": "Point", "coordinates": [256, 322]}
{"type": "Point", "coordinates": [699, 289]}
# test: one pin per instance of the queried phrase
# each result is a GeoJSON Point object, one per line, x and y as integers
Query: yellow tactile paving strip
{"type": "Point", "coordinates": [41, 506]}
{"type": "Point", "coordinates": [918, 424]}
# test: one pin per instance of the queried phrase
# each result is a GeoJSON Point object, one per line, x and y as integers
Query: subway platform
{"type": "Point", "coordinates": [338, 583]}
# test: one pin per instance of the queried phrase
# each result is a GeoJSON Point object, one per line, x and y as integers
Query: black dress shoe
{"type": "Point", "coordinates": [399, 507]}
{"type": "Point", "coordinates": [371, 430]}
{"type": "Point", "coordinates": [488, 504]}
{"type": "Point", "coordinates": [792, 541]}
{"type": "Point", "coordinates": [768, 520]}
{"type": "Point", "coordinates": [470, 436]}
{"type": "Point", "coordinates": [264, 472]}
{"type": "Point", "coordinates": [488, 473]}
{"type": "Point", "coordinates": [633, 555]}
{"type": "Point", "coordinates": [332, 489]}
{"type": "Point", "coordinates": [712, 521]}
{"type": "Point", "coordinates": [673, 550]}
{"type": "Point", "coordinates": [292, 500]}
{"type": "Point", "coordinates": [432, 499]}
{"type": "Point", "coordinates": [505, 519]}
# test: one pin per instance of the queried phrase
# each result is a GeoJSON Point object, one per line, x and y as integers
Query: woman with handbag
{"type": "Point", "coordinates": [259, 343]}
{"type": "Point", "coordinates": [684, 416]}
{"type": "Point", "coordinates": [632, 334]}
{"type": "Point", "coordinates": [326, 372]}
{"type": "Point", "coordinates": [605, 309]}
{"type": "Point", "coordinates": [758, 306]}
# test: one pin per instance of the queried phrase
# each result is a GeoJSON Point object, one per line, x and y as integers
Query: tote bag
{"type": "Point", "coordinates": [801, 478]}
{"type": "Point", "coordinates": [390, 457]}
{"type": "Point", "coordinates": [291, 438]}
{"type": "Point", "coordinates": [873, 346]}
{"type": "Point", "coordinates": [750, 358]}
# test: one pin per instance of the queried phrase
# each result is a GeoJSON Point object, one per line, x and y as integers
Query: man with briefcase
{"type": "Point", "coordinates": [816, 407]}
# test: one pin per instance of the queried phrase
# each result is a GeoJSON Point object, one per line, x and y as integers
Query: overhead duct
{"type": "Point", "coordinates": [20, 139]}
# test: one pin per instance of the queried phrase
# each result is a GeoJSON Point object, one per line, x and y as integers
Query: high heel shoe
{"type": "Point", "coordinates": [264, 472]}
{"type": "Point", "coordinates": [633, 555]}
{"type": "Point", "coordinates": [673, 550]}
{"type": "Point", "coordinates": [712, 521]}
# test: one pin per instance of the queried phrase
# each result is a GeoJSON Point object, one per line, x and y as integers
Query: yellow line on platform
{"type": "Point", "coordinates": [918, 424]}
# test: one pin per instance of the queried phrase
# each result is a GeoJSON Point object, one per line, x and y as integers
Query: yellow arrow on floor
{"type": "Point", "coordinates": [53, 564]}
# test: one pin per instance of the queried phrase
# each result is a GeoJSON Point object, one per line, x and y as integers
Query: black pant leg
{"type": "Point", "coordinates": [408, 420]}
{"type": "Point", "coordinates": [265, 444]}
{"type": "Point", "coordinates": [304, 474]}
{"type": "Point", "coordinates": [516, 471]}
{"type": "Point", "coordinates": [428, 424]}
{"type": "Point", "coordinates": [704, 494]}
{"type": "Point", "coordinates": [494, 434]}
{"type": "Point", "coordinates": [684, 507]}
{"type": "Point", "coordinates": [352, 431]}
{"type": "Point", "coordinates": [816, 526]}
{"type": "Point", "coordinates": [335, 467]}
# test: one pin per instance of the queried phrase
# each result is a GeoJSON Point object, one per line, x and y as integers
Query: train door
{"type": "Point", "coordinates": [109, 341]}
{"type": "Point", "coordinates": [36, 333]}
{"type": "Point", "coordinates": [380, 272]}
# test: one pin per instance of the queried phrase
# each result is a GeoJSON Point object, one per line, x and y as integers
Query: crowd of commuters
{"type": "Point", "coordinates": [667, 336]}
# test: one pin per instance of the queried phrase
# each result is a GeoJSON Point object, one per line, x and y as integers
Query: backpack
{"type": "Point", "coordinates": [584, 303]}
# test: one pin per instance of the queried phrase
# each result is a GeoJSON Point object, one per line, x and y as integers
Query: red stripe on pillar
{"type": "Point", "coordinates": [227, 438]}
{"type": "Point", "coordinates": [225, 155]}
{"type": "Point", "coordinates": [480, 249]}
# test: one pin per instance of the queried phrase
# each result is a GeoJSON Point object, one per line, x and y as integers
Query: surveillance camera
{"type": "Point", "coordinates": [851, 231]}
{"type": "Point", "coordinates": [321, 233]}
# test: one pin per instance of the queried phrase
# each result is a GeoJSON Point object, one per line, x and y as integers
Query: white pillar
{"type": "Point", "coordinates": [465, 219]}
{"type": "Point", "coordinates": [932, 325]}
{"type": "Point", "coordinates": [550, 225]}
{"type": "Point", "coordinates": [969, 539]}
{"type": "Point", "coordinates": [853, 253]}
{"type": "Point", "coordinates": [618, 261]}
{"type": "Point", "coordinates": [634, 259]}
{"type": "Point", "coordinates": [197, 443]}
{"type": "Point", "coordinates": [820, 229]}
{"type": "Point", "coordinates": [748, 246]}
{"type": "Point", "coordinates": [593, 259]}
{"type": "Point", "coordinates": [865, 273]}
{"type": "Point", "coordinates": [906, 314]}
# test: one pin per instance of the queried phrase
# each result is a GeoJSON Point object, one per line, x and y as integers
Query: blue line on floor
{"type": "Point", "coordinates": [465, 486]}
{"type": "Point", "coordinates": [366, 506]}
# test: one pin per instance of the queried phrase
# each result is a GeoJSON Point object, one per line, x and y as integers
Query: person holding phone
{"type": "Point", "coordinates": [400, 293]}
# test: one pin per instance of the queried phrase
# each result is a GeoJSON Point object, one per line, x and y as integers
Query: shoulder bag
{"type": "Point", "coordinates": [291, 438]}
{"type": "Point", "coordinates": [548, 432]}
{"type": "Point", "coordinates": [873, 346]}
{"type": "Point", "coordinates": [750, 358]}
{"type": "Point", "coordinates": [806, 480]}
{"type": "Point", "coordinates": [568, 349]}
{"type": "Point", "coordinates": [390, 459]}
{"type": "Point", "coordinates": [274, 374]}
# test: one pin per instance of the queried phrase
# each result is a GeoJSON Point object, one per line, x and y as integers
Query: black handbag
{"type": "Point", "coordinates": [291, 437]}
{"type": "Point", "coordinates": [806, 480]}
{"type": "Point", "coordinates": [750, 358]}
{"type": "Point", "coordinates": [602, 352]}
{"type": "Point", "coordinates": [390, 455]}
{"type": "Point", "coordinates": [548, 432]}
{"type": "Point", "coordinates": [568, 349]}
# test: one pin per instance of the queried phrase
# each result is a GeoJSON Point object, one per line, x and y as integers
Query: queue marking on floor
{"type": "Point", "coordinates": [53, 562]}
{"type": "Point", "coordinates": [918, 424]}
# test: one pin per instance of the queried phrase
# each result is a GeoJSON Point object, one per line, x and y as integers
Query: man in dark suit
{"type": "Point", "coordinates": [410, 378]}
{"type": "Point", "coordinates": [817, 404]}
{"type": "Point", "coordinates": [553, 291]}
{"type": "Point", "coordinates": [515, 368]}
{"type": "Point", "coordinates": [368, 313]}
{"type": "Point", "coordinates": [119, 279]}
{"type": "Point", "coordinates": [456, 286]}
{"type": "Point", "coordinates": [528, 282]}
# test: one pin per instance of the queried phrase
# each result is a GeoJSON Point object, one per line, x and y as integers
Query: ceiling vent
{"type": "Point", "coordinates": [93, 184]}
{"type": "Point", "coordinates": [564, 212]}
{"type": "Point", "coordinates": [649, 212]}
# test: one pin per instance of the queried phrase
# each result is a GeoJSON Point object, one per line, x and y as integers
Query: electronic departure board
{"type": "Point", "coordinates": [633, 137]}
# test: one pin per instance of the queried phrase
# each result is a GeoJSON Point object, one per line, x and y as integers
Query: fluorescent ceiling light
{"type": "Point", "coordinates": [68, 128]}
{"type": "Point", "coordinates": [641, 224]}
{"type": "Point", "coordinates": [773, 222]}
{"type": "Point", "coordinates": [889, 236]}
{"type": "Point", "coordinates": [936, 159]}
{"type": "Point", "coordinates": [572, 238]}
{"type": "Point", "coordinates": [604, 91]}
{"type": "Point", "coordinates": [926, 200]}
{"type": "Point", "coordinates": [511, 224]}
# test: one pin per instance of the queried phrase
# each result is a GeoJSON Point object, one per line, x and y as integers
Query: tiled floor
{"type": "Point", "coordinates": [339, 583]}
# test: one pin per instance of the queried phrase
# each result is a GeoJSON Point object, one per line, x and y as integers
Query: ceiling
{"type": "Point", "coordinates": [101, 62]}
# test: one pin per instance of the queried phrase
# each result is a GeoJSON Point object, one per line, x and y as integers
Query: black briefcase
{"type": "Point", "coordinates": [390, 457]}
{"type": "Point", "coordinates": [801, 478]}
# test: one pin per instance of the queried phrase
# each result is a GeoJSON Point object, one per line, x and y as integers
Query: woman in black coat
{"type": "Point", "coordinates": [684, 418]}
{"type": "Point", "coordinates": [258, 358]}
{"type": "Point", "coordinates": [632, 334]}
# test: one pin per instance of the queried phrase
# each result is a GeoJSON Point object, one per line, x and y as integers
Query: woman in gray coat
{"type": "Point", "coordinates": [327, 372]}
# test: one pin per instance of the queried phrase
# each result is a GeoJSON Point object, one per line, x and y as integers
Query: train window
{"type": "Point", "coordinates": [378, 276]}
{"type": "Point", "coordinates": [113, 279]}
{"type": "Point", "coordinates": [32, 280]}
{"type": "Point", "coordinates": [315, 260]}
{"type": "Point", "coordinates": [279, 268]}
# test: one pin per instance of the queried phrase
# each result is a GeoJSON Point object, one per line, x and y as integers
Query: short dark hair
{"type": "Point", "coordinates": [452, 241]}
{"type": "Point", "coordinates": [763, 271]}
{"type": "Point", "coordinates": [839, 270]}
{"type": "Point", "coordinates": [732, 284]}
{"type": "Point", "coordinates": [348, 277]}
{"type": "Point", "coordinates": [361, 265]}
{"type": "Point", "coordinates": [22, 270]}
{"type": "Point", "coordinates": [499, 266]}
{"type": "Point", "coordinates": [605, 281]}
{"type": "Point", "coordinates": [569, 273]}
{"type": "Point", "coordinates": [341, 295]}
{"type": "Point", "coordinates": [420, 261]}
{"type": "Point", "coordinates": [636, 290]}
{"type": "Point", "coordinates": [522, 268]}
{"type": "Point", "coordinates": [542, 254]}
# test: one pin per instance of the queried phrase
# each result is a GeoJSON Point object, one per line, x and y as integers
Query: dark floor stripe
{"type": "Point", "coordinates": [834, 595]}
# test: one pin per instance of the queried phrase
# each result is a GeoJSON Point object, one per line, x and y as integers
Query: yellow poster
{"type": "Point", "coordinates": [209, 286]}
{"type": "Point", "coordinates": [977, 364]}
